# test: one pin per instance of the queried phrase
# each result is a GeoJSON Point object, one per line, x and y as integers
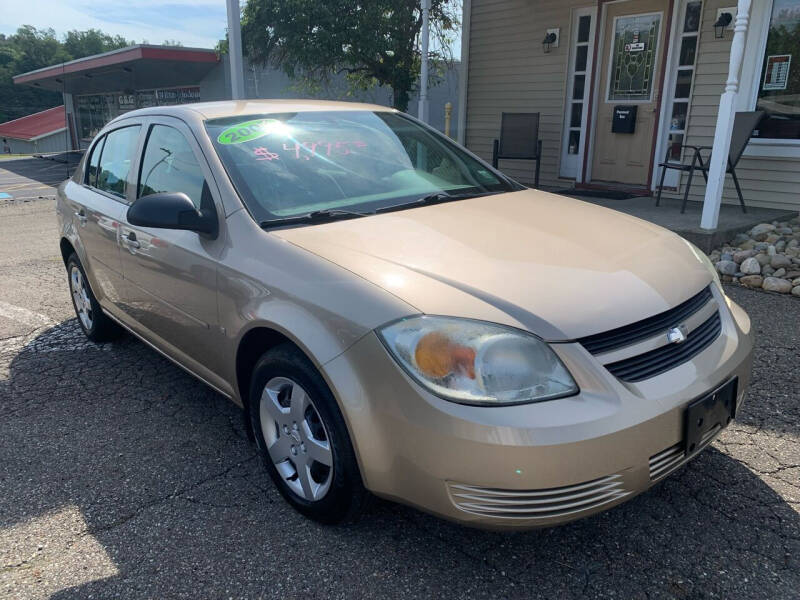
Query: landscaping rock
{"type": "Point", "coordinates": [775, 284]}
{"type": "Point", "coordinates": [727, 267]}
{"type": "Point", "coordinates": [748, 245]}
{"type": "Point", "coordinates": [766, 257]}
{"type": "Point", "coordinates": [780, 261]}
{"type": "Point", "coordinates": [753, 281]}
{"type": "Point", "coordinates": [750, 266]}
{"type": "Point", "coordinates": [761, 231]}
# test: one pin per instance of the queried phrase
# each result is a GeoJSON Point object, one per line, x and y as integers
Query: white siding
{"type": "Point", "coordinates": [510, 72]}
{"type": "Point", "coordinates": [51, 143]}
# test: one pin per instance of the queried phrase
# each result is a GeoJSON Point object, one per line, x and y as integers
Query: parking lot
{"type": "Point", "coordinates": [121, 476]}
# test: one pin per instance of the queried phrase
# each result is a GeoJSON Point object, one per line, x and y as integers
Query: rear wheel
{"type": "Point", "coordinates": [303, 439]}
{"type": "Point", "coordinates": [95, 324]}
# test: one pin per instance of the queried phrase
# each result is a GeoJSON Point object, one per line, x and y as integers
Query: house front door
{"type": "Point", "coordinates": [629, 89]}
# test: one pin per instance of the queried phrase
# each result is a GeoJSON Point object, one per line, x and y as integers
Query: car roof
{"type": "Point", "coordinates": [229, 108]}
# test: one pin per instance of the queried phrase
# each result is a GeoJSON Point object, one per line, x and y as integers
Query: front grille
{"type": "Point", "coordinates": [537, 504]}
{"type": "Point", "coordinates": [661, 360]}
{"type": "Point", "coordinates": [641, 330]}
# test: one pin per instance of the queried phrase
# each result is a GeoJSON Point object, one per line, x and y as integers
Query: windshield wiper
{"type": "Point", "coordinates": [324, 216]}
{"type": "Point", "coordinates": [434, 198]}
{"type": "Point", "coordinates": [315, 216]}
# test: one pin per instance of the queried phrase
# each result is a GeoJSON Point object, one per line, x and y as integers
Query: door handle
{"type": "Point", "coordinates": [131, 241]}
{"type": "Point", "coordinates": [81, 216]}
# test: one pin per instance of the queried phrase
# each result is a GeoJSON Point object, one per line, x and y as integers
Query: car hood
{"type": "Point", "coordinates": [559, 267]}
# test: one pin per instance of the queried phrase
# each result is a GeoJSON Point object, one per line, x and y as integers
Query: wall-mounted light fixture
{"type": "Point", "coordinates": [723, 21]}
{"type": "Point", "coordinates": [550, 40]}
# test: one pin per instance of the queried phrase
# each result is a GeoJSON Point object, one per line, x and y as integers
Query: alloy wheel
{"type": "Point", "coordinates": [297, 440]}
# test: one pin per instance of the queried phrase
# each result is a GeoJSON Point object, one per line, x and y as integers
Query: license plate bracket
{"type": "Point", "coordinates": [713, 410]}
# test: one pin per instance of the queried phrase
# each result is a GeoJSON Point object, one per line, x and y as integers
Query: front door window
{"type": "Point", "coordinates": [634, 52]}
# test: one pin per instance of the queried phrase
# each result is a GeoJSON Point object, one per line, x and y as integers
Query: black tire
{"type": "Point", "coordinates": [346, 495]}
{"type": "Point", "coordinates": [101, 328]}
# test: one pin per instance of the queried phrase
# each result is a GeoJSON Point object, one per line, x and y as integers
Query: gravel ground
{"type": "Point", "coordinates": [123, 477]}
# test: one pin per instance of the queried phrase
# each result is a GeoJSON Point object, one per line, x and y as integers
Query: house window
{"type": "Point", "coordinates": [634, 57]}
{"type": "Point", "coordinates": [688, 40]}
{"type": "Point", "coordinates": [779, 85]}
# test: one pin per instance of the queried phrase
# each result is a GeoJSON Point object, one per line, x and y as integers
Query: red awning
{"type": "Point", "coordinates": [36, 125]}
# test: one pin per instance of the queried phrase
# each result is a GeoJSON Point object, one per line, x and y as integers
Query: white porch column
{"type": "Point", "coordinates": [725, 117]}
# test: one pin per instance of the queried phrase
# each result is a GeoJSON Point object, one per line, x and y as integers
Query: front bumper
{"type": "Point", "coordinates": [544, 463]}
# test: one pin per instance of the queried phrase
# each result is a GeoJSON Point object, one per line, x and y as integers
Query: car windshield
{"type": "Point", "coordinates": [292, 164]}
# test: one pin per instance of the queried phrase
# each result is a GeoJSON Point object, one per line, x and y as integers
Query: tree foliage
{"type": "Point", "coordinates": [29, 49]}
{"type": "Point", "coordinates": [371, 42]}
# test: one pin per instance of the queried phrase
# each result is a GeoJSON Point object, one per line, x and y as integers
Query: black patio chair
{"type": "Point", "coordinates": [519, 140]}
{"type": "Point", "coordinates": [743, 126]}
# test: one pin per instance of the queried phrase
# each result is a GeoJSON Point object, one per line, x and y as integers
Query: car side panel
{"type": "Point", "coordinates": [171, 281]}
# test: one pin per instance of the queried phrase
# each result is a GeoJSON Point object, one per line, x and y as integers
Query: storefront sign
{"type": "Point", "coordinates": [776, 76]}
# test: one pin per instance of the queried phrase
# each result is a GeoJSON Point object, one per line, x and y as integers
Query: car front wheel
{"type": "Point", "coordinates": [302, 437]}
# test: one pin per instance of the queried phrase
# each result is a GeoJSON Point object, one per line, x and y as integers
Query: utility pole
{"type": "Point", "coordinates": [422, 111]}
{"type": "Point", "coordinates": [235, 49]}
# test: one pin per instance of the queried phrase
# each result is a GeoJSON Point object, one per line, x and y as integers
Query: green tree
{"type": "Point", "coordinates": [92, 41]}
{"type": "Point", "coordinates": [29, 49]}
{"type": "Point", "coordinates": [371, 42]}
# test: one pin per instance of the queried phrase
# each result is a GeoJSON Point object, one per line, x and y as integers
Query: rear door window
{"type": "Point", "coordinates": [115, 160]}
{"type": "Point", "coordinates": [94, 163]}
{"type": "Point", "coordinates": [169, 166]}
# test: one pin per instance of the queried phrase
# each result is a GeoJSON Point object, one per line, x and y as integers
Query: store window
{"type": "Point", "coordinates": [779, 85]}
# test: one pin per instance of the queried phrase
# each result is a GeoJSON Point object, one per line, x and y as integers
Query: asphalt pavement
{"type": "Point", "coordinates": [123, 477]}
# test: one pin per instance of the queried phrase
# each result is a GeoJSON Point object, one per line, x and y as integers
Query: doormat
{"type": "Point", "coordinates": [605, 194]}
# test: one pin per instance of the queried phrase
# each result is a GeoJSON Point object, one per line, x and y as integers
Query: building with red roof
{"type": "Point", "coordinates": [43, 131]}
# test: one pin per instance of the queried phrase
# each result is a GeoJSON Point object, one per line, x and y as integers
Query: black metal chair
{"type": "Point", "coordinates": [519, 140]}
{"type": "Point", "coordinates": [743, 126]}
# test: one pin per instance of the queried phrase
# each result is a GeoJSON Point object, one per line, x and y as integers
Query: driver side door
{"type": "Point", "coordinates": [171, 275]}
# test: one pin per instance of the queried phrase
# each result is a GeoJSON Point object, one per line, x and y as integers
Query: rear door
{"type": "Point", "coordinates": [98, 207]}
{"type": "Point", "coordinates": [171, 275]}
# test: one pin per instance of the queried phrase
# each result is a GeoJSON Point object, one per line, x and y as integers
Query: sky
{"type": "Point", "coordinates": [199, 23]}
{"type": "Point", "coordinates": [194, 23]}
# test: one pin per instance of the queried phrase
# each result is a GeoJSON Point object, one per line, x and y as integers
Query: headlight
{"type": "Point", "coordinates": [473, 362]}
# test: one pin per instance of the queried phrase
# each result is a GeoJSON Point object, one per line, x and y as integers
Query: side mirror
{"type": "Point", "coordinates": [172, 211]}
